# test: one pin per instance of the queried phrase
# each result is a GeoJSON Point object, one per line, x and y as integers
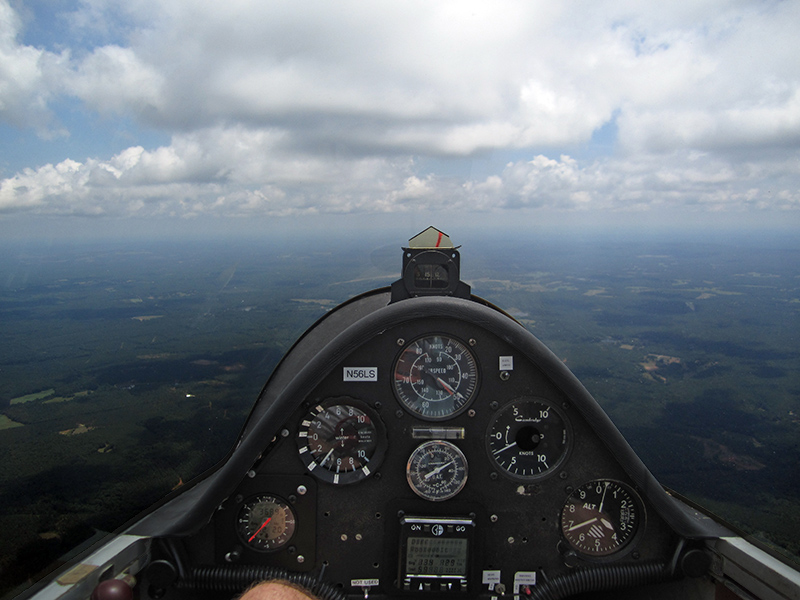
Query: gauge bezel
{"type": "Point", "coordinates": [551, 469]}
{"type": "Point", "coordinates": [413, 402]}
{"type": "Point", "coordinates": [254, 544]}
{"type": "Point", "coordinates": [322, 472]}
{"type": "Point", "coordinates": [417, 484]}
{"type": "Point", "coordinates": [619, 549]}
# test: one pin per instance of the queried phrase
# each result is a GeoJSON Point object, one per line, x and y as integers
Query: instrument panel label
{"type": "Point", "coordinates": [361, 374]}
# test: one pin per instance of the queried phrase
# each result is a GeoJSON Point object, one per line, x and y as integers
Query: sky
{"type": "Point", "coordinates": [170, 115]}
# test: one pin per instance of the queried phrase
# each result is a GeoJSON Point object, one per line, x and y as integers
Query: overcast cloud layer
{"type": "Point", "coordinates": [287, 108]}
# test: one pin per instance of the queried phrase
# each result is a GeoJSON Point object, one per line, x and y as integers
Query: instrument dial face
{"type": "Point", "coordinates": [528, 438]}
{"type": "Point", "coordinates": [437, 470]}
{"type": "Point", "coordinates": [341, 441]}
{"type": "Point", "coordinates": [601, 517]}
{"type": "Point", "coordinates": [435, 377]}
{"type": "Point", "coordinates": [266, 523]}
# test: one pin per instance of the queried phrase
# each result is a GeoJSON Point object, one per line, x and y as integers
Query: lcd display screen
{"type": "Point", "coordinates": [436, 556]}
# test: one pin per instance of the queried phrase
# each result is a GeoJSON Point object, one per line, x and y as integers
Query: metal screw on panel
{"type": "Point", "coordinates": [472, 341]}
{"type": "Point", "coordinates": [505, 375]}
{"type": "Point", "coordinates": [398, 414]}
{"type": "Point", "coordinates": [301, 559]}
{"type": "Point", "coordinates": [635, 555]}
{"type": "Point", "coordinates": [565, 405]}
{"type": "Point", "coordinates": [493, 518]}
{"type": "Point", "coordinates": [510, 540]}
{"type": "Point", "coordinates": [251, 473]}
{"type": "Point", "coordinates": [493, 405]}
{"type": "Point", "coordinates": [563, 475]}
{"type": "Point", "coordinates": [571, 558]}
{"type": "Point", "coordinates": [471, 412]}
{"type": "Point", "coordinates": [569, 489]}
{"type": "Point", "coordinates": [292, 498]}
{"type": "Point", "coordinates": [284, 433]}
{"type": "Point", "coordinates": [344, 537]}
{"type": "Point", "coordinates": [301, 489]}
{"type": "Point", "coordinates": [492, 475]}
{"type": "Point", "coordinates": [239, 499]}
{"type": "Point", "coordinates": [400, 341]}
{"type": "Point", "coordinates": [234, 555]}
{"type": "Point", "coordinates": [358, 537]}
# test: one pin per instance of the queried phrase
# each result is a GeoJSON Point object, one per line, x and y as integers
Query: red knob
{"type": "Point", "coordinates": [112, 589]}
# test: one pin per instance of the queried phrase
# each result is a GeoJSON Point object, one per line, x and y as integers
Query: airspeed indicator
{"type": "Point", "coordinates": [435, 377]}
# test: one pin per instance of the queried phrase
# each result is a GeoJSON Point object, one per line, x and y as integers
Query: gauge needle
{"type": "Point", "coordinates": [438, 469]}
{"type": "Point", "coordinates": [264, 524]}
{"type": "Point", "coordinates": [579, 525]}
{"type": "Point", "coordinates": [511, 445]}
{"type": "Point", "coordinates": [444, 386]}
{"type": "Point", "coordinates": [327, 456]}
{"type": "Point", "coordinates": [603, 499]}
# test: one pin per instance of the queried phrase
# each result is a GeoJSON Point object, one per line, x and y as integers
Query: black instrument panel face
{"type": "Point", "coordinates": [529, 438]}
{"type": "Point", "coordinates": [435, 377]}
{"type": "Point", "coordinates": [440, 422]}
{"type": "Point", "coordinates": [341, 441]}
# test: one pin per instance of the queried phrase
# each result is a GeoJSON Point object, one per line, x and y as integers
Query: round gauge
{"type": "Point", "coordinates": [266, 523]}
{"type": "Point", "coordinates": [528, 438]}
{"type": "Point", "coordinates": [435, 377]}
{"type": "Point", "coordinates": [601, 517]}
{"type": "Point", "coordinates": [437, 470]}
{"type": "Point", "coordinates": [341, 441]}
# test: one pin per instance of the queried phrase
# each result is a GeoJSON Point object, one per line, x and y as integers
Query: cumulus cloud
{"type": "Point", "coordinates": [276, 109]}
{"type": "Point", "coordinates": [29, 78]}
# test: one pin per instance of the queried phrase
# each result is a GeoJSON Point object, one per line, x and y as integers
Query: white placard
{"type": "Point", "coordinates": [361, 374]}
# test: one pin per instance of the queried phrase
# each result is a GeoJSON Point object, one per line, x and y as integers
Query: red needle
{"type": "Point", "coordinates": [446, 387]}
{"type": "Point", "coordinates": [264, 524]}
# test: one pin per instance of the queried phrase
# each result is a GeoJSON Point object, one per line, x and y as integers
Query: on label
{"type": "Point", "coordinates": [361, 374]}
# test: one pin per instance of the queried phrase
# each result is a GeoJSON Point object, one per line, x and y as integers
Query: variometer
{"type": "Point", "coordinates": [266, 523]}
{"type": "Point", "coordinates": [341, 440]}
{"type": "Point", "coordinates": [528, 438]}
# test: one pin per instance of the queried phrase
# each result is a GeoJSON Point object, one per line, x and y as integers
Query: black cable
{"type": "Point", "coordinates": [598, 579]}
{"type": "Point", "coordinates": [236, 578]}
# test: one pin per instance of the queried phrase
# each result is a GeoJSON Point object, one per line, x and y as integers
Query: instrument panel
{"type": "Point", "coordinates": [436, 457]}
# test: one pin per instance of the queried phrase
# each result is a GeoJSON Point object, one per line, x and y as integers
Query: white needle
{"type": "Point", "coordinates": [603, 499]}
{"type": "Point", "coordinates": [592, 520]}
{"type": "Point", "coordinates": [437, 469]}
{"type": "Point", "coordinates": [512, 444]}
